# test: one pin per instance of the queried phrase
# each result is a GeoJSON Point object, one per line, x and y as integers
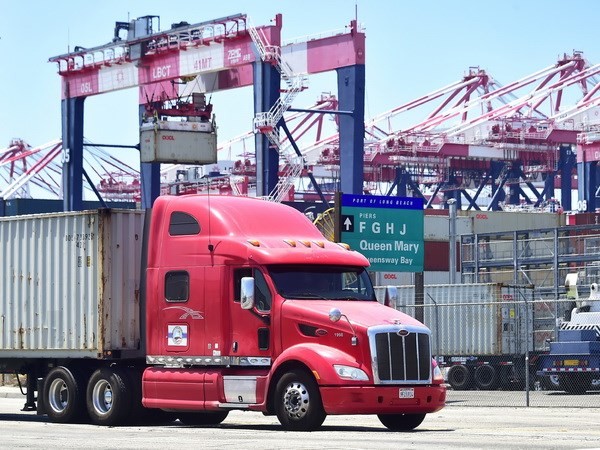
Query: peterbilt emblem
{"type": "Point", "coordinates": [403, 332]}
{"type": "Point", "coordinates": [321, 332]}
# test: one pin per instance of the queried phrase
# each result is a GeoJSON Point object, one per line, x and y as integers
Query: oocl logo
{"type": "Point", "coordinates": [481, 216]}
{"type": "Point", "coordinates": [390, 276]}
{"type": "Point", "coordinates": [168, 137]}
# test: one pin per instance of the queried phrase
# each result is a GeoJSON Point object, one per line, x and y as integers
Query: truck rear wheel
{"type": "Point", "coordinates": [459, 377]}
{"type": "Point", "coordinates": [486, 378]}
{"type": "Point", "coordinates": [550, 383]}
{"type": "Point", "coordinates": [298, 402]}
{"type": "Point", "coordinates": [64, 395]}
{"type": "Point", "coordinates": [401, 422]}
{"type": "Point", "coordinates": [202, 418]}
{"type": "Point", "coordinates": [109, 397]}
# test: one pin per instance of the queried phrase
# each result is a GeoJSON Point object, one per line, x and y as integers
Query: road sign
{"type": "Point", "coordinates": [387, 230]}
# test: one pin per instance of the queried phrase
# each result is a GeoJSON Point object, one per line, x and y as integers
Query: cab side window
{"type": "Point", "coordinates": [182, 224]}
{"type": "Point", "coordinates": [177, 286]}
{"type": "Point", "coordinates": [238, 274]}
{"type": "Point", "coordinates": [262, 295]}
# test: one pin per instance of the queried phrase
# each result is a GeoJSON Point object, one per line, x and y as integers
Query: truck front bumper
{"type": "Point", "coordinates": [383, 399]}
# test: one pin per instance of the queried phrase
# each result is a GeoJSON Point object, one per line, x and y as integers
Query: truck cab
{"type": "Point", "coordinates": [248, 307]}
{"type": "Point", "coordinates": [574, 358]}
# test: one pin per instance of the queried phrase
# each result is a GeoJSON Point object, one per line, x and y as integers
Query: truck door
{"type": "Point", "coordinates": [250, 329]}
{"type": "Point", "coordinates": [182, 314]}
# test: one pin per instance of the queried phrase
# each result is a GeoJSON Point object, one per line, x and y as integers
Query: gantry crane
{"type": "Point", "coordinates": [218, 54]}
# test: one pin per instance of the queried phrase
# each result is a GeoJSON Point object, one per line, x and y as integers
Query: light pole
{"type": "Point", "coordinates": [452, 239]}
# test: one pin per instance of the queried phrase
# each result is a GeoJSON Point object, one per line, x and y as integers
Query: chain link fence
{"type": "Point", "coordinates": [492, 341]}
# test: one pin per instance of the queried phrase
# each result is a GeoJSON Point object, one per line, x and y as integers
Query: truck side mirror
{"type": "Point", "coordinates": [335, 314]}
{"type": "Point", "coordinates": [247, 293]}
{"type": "Point", "coordinates": [391, 296]}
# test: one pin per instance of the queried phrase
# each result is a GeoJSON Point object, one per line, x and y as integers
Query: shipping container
{"type": "Point", "coordinates": [493, 221]}
{"type": "Point", "coordinates": [181, 142]}
{"type": "Point", "coordinates": [71, 284]}
{"type": "Point", "coordinates": [437, 228]}
{"type": "Point", "coordinates": [478, 319]}
{"type": "Point", "coordinates": [583, 218]}
{"type": "Point", "coordinates": [407, 278]}
{"type": "Point", "coordinates": [22, 206]}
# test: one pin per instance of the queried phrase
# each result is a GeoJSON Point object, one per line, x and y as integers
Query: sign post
{"type": "Point", "coordinates": [387, 230]}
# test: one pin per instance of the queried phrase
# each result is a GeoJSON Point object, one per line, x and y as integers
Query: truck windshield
{"type": "Point", "coordinates": [322, 282]}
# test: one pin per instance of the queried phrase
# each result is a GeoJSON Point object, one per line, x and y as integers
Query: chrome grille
{"type": "Point", "coordinates": [401, 354]}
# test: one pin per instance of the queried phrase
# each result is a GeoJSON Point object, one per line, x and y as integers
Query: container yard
{"type": "Point", "coordinates": [257, 244]}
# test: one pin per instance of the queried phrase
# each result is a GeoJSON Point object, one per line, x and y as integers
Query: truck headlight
{"type": "Point", "coordinates": [350, 373]}
{"type": "Point", "coordinates": [438, 376]}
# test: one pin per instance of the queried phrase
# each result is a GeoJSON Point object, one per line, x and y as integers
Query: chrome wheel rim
{"type": "Point", "coordinates": [296, 400]}
{"type": "Point", "coordinates": [58, 396]}
{"type": "Point", "coordinates": [102, 397]}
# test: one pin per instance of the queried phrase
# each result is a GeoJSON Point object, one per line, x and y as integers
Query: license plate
{"type": "Point", "coordinates": [571, 362]}
{"type": "Point", "coordinates": [406, 393]}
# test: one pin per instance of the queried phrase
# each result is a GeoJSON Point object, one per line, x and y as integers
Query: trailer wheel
{"type": "Point", "coordinates": [578, 383]}
{"type": "Point", "coordinates": [298, 402]}
{"type": "Point", "coordinates": [486, 378]}
{"type": "Point", "coordinates": [550, 383]}
{"type": "Point", "coordinates": [401, 422]}
{"type": "Point", "coordinates": [64, 395]}
{"type": "Point", "coordinates": [109, 396]}
{"type": "Point", "coordinates": [459, 377]}
{"type": "Point", "coordinates": [202, 418]}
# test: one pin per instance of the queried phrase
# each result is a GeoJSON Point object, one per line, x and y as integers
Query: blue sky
{"type": "Point", "coordinates": [412, 48]}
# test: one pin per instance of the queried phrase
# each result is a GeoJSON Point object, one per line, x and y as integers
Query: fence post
{"type": "Point", "coordinates": [526, 350]}
{"type": "Point", "coordinates": [419, 297]}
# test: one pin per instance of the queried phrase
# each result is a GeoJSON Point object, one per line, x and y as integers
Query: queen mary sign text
{"type": "Point", "coordinates": [387, 230]}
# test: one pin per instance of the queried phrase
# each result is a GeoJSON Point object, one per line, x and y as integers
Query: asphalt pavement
{"type": "Point", "coordinates": [10, 392]}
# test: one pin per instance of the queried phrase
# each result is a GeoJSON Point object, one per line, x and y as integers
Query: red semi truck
{"type": "Point", "coordinates": [200, 306]}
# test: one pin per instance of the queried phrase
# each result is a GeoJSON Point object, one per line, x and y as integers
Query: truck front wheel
{"type": "Point", "coordinates": [298, 402]}
{"type": "Point", "coordinates": [401, 422]}
{"type": "Point", "coordinates": [109, 397]}
{"type": "Point", "coordinates": [64, 395]}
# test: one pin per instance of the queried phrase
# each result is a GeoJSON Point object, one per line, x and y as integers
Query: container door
{"type": "Point", "coordinates": [509, 325]}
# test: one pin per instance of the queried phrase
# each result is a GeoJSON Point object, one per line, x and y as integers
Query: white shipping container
{"type": "Point", "coordinates": [492, 221]}
{"type": "Point", "coordinates": [189, 143]}
{"type": "Point", "coordinates": [473, 319]}
{"type": "Point", "coordinates": [437, 228]}
{"type": "Point", "coordinates": [70, 283]}
{"type": "Point", "coordinates": [406, 278]}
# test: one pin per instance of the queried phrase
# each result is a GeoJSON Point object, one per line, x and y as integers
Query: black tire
{"type": "Point", "coordinates": [64, 396]}
{"type": "Point", "coordinates": [506, 377]}
{"type": "Point", "coordinates": [459, 377]}
{"type": "Point", "coordinates": [550, 383]}
{"type": "Point", "coordinates": [298, 402]}
{"type": "Point", "coordinates": [486, 378]}
{"type": "Point", "coordinates": [202, 418]}
{"type": "Point", "coordinates": [401, 422]}
{"type": "Point", "coordinates": [575, 383]}
{"type": "Point", "coordinates": [109, 397]}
